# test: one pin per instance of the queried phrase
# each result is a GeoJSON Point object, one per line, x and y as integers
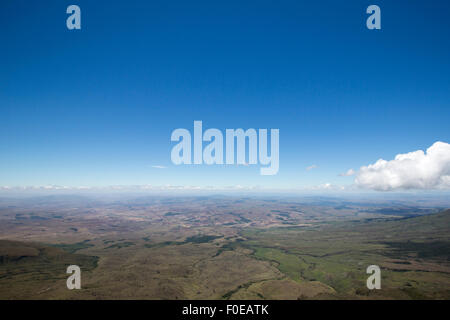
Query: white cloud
{"type": "Point", "coordinates": [413, 170]}
{"type": "Point", "coordinates": [327, 186]}
{"type": "Point", "coordinates": [159, 167]}
{"type": "Point", "coordinates": [349, 172]}
{"type": "Point", "coordinates": [311, 167]}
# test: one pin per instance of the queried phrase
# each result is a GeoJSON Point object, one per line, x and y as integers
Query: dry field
{"type": "Point", "coordinates": [222, 248]}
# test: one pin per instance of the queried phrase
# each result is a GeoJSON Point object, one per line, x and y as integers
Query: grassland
{"type": "Point", "coordinates": [223, 249]}
{"type": "Point", "coordinates": [28, 270]}
{"type": "Point", "coordinates": [413, 254]}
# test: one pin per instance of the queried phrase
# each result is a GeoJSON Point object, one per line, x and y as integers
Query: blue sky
{"type": "Point", "coordinates": [97, 106]}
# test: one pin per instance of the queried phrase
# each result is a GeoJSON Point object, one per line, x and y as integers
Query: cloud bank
{"type": "Point", "coordinates": [349, 172]}
{"type": "Point", "coordinates": [413, 170]}
{"type": "Point", "coordinates": [159, 167]}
